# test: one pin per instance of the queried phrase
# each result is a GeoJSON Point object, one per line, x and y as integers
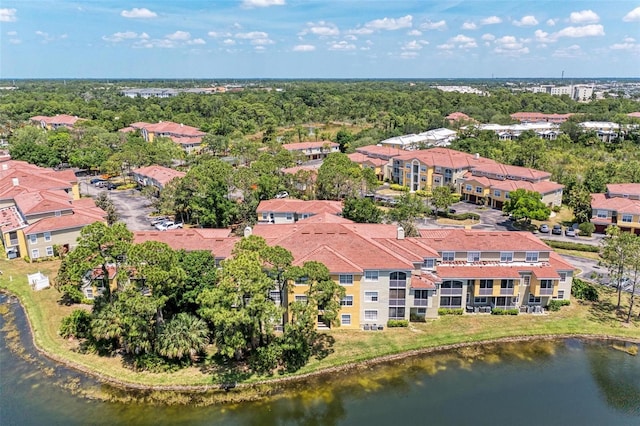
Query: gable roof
{"type": "Point", "coordinates": [291, 205]}
{"type": "Point", "coordinates": [162, 175]}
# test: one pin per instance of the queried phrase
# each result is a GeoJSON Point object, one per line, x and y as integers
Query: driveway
{"type": "Point", "coordinates": [133, 208]}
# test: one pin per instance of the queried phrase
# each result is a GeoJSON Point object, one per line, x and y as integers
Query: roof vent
{"type": "Point", "coordinates": [477, 156]}
{"type": "Point", "coordinates": [5, 167]}
{"type": "Point", "coordinates": [400, 235]}
{"type": "Point", "coordinates": [15, 181]}
{"type": "Point", "coordinates": [247, 231]}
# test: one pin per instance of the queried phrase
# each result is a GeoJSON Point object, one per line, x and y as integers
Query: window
{"type": "Point", "coordinates": [486, 283]}
{"type": "Point", "coordinates": [560, 294]}
{"type": "Point", "coordinates": [396, 313]}
{"type": "Point", "coordinates": [47, 236]}
{"type": "Point", "coordinates": [602, 214]}
{"type": "Point", "coordinates": [546, 283]}
{"type": "Point", "coordinates": [451, 284]}
{"type": "Point", "coordinates": [371, 275]}
{"type": "Point", "coordinates": [423, 178]}
{"type": "Point", "coordinates": [534, 299]}
{"type": "Point", "coordinates": [346, 301]}
{"type": "Point", "coordinates": [448, 256]}
{"type": "Point", "coordinates": [506, 256]}
{"type": "Point", "coordinates": [438, 169]}
{"type": "Point", "coordinates": [345, 319]}
{"type": "Point", "coordinates": [479, 300]}
{"type": "Point", "coordinates": [397, 296]}
{"type": "Point", "coordinates": [35, 253]}
{"type": "Point", "coordinates": [265, 216]}
{"type": "Point", "coordinates": [370, 315]}
{"type": "Point", "coordinates": [436, 179]}
{"type": "Point", "coordinates": [58, 213]}
{"type": "Point", "coordinates": [478, 190]}
{"type": "Point", "coordinates": [429, 263]}
{"type": "Point", "coordinates": [451, 301]}
{"type": "Point", "coordinates": [496, 193]}
{"type": "Point", "coordinates": [370, 296]}
{"type": "Point", "coordinates": [421, 294]}
{"type": "Point", "coordinates": [532, 256]}
{"type": "Point", "coordinates": [49, 251]}
{"type": "Point", "coordinates": [301, 298]}
{"type": "Point", "coordinates": [302, 280]}
{"type": "Point", "coordinates": [473, 256]}
{"type": "Point", "coordinates": [563, 277]}
{"type": "Point", "coordinates": [627, 218]}
{"type": "Point", "coordinates": [346, 279]}
{"type": "Point", "coordinates": [398, 279]}
{"type": "Point", "coordinates": [289, 216]}
{"type": "Point", "coordinates": [506, 284]}
{"type": "Point", "coordinates": [469, 188]}
{"type": "Point", "coordinates": [407, 166]}
{"type": "Point", "coordinates": [506, 195]}
{"type": "Point", "coordinates": [423, 168]}
{"type": "Point", "coordinates": [33, 238]}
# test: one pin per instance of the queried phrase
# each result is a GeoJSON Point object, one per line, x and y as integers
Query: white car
{"type": "Point", "coordinates": [168, 224]}
{"type": "Point", "coordinates": [283, 194]}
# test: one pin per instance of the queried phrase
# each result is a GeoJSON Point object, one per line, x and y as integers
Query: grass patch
{"type": "Point", "coordinates": [351, 346]}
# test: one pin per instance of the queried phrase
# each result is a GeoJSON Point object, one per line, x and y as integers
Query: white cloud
{"type": "Point", "coordinates": [491, 20]}
{"type": "Point", "coordinates": [469, 26]}
{"type": "Point", "coordinates": [350, 37]}
{"type": "Point", "coordinates": [408, 54]}
{"type": "Point", "coordinates": [142, 13]}
{"type": "Point", "coordinates": [488, 37]}
{"type": "Point", "coordinates": [623, 46]}
{"type": "Point", "coordinates": [261, 3]}
{"type": "Point", "coordinates": [629, 40]}
{"type": "Point", "coordinates": [12, 33]}
{"type": "Point", "coordinates": [572, 51]}
{"type": "Point", "coordinates": [526, 21]}
{"type": "Point", "coordinates": [584, 17]}
{"type": "Point", "coordinates": [259, 48]}
{"type": "Point", "coordinates": [390, 24]}
{"type": "Point", "coordinates": [15, 41]}
{"type": "Point", "coordinates": [261, 41]}
{"type": "Point", "coordinates": [121, 36]}
{"type": "Point", "coordinates": [304, 48]}
{"type": "Point", "coordinates": [414, 45]}
{"type": "Point", "coordinates": [196, 41]}
{"type": "Point", "coordinates": [463, 42]}
{"type": "Point", "coordinates": [151, 43]}
{"type": "Point", "coordinates": [342, 45]}
{"type": "Point", "coordinates": [321, 28]}
{"type": "Point", "coordinates": [361, 31]}
{"type": "Point", "coordinates": [253, 35]}
{"type": "Point", "coordinates": [584, 31]}
{"type": "Point", "coordinates": [179, 36]}
{"type": "Point", "coordinates": [446, 46]}
{"type": "Point", "coordinates": [440, 25]}
{"type": "Point", "coordinates": [216, 34]}
{"type": "Point", "coordinates": [46, 37]}
{"type": "Point", "coordinates": [509, 45]}
{"type": "Point", "coordinates": [551, 22]}
{"type": "Point", "coordinates": [229, 42]}
{"type": "Point", "coordinates": [633, 16]}
{"type": "Point", "coordinates": [8, 15]}
{"type": "Point", "coordinates": [543, 37]}
{"type": "Point", "coordinates": [414, 33]}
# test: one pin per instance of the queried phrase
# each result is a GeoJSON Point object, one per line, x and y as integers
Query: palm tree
{"type": "Point", "coordinates": [184, 335]}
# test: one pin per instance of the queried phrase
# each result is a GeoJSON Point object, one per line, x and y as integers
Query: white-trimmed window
{"type": "Point", "coordinates": [302, 281]}
{"type": "Point", "coordinates": [448, 256]}
{"type": "Point", "coordinates": [469, 188]}
{"type": "Point", "coordinates": [370, 315]}
{"type": "Point", "coordinates": [560, 294]}
{"type": "Point", "coordinates": [496, 193]}
{"type": "Point", "coordinates": [506, 195]}
{"type": "Point", "coordinates": [506, 256]}
{"type": "Point", "coordinates": [506, 283]}
{"type": "Point", "coordinates": [429, 263]}
{"type": "Point", "coordinates": [49, 251]}
{"type": "Point", "coordinates": [33, 238]}
{"type": "Point", "coordinates": [473, 256]}
{"type": "Point", "coordinates": [346, 279]}
{"type": "Point", "coordinates": [346, 301]}
{"type": "Point", "coordinates": [423, 168]}
{"type": "Point", "coordinates": [289, 216]}
{"type": "Point", "coordinates": [301, 298]}
{"type": "Point", "coordinates": [35, 253]}
{"type": "Point", "coordinates": [478, 190]}
{"type": "Point", "coordinates": [534, 299]}
{"type": "Point", "coordinates": [265, 216]}
{"type": "Point", "coordinates": [370, 296]}
{"type": "Point", "coordinates": [627, 218]}
{"type": "Point", "coordinates": [479, 300]}
{"type": "Point", "coordinates": [546, 284]}
{"type": "Point", "coordinates": [531, 256]}
{"type": "Point", "coordinates": [371, 275]}
{"type": "Point", "coordinates": [47, 236]}
{"type": "Point", "coordinates": [563, 276]}
{"type": "Point", "coordinates": [602, 214]}
{"type": "Point", "coordinates": [345, 319]}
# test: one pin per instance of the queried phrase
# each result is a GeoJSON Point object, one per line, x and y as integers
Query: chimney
{"type": "Point", "coordinates": [400, 233]}
{"type": "Point", "coordinates": [248, 231]}
{"type": "Point", "coordinates": [15, 181]}
{"type": "Point", "coordinates": [477, 156]}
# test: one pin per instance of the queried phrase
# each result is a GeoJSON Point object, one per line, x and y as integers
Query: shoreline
{"type": "Point", "coordinates": [239, 388]}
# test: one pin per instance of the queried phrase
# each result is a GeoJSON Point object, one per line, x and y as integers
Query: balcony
{"type": "Point", "coordinates": [536, 290]}
{"type": "Point", "coordinates": [397, 302]}
{"type": "Point", "coordinates": [420, 302]}
{"type": "Point", "coordinates": [451, 291]}
{"type": "Point", "coordinates": [13, 242]}
{"type": "Point", "coordinates": [496, 290]}
{"type": "Point", "coordinates": [482, 291]}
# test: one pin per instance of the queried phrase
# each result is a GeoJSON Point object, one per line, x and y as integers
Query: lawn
{"type": "Point", "coordinates": [350, 346]}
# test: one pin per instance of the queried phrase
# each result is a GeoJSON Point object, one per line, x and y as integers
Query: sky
{"type": "Point", "coordinates": [221, 39]}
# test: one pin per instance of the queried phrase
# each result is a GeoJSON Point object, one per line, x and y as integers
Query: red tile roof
{"type": "Point", "coordinates": [309, 145]}
{"type": "Point", "coordinates": [191, 240]}
{"type": "Point", "coordinates": [538, 116]}
{"type": "Point", "coordinates": [507, 170]}
{"type": "Point", "coordinates": [42, 202]}
{"type": "Point", "coordinates": [169, 127]}
{"type": "Point", "coordinates": [444, 157]}
{"type": "Point", "coordinates": [384, 152]}
{"type": "Point", "coordinates": [479, 240]}
{"type": "Point", "coordinates": [617, 204]}
{"type": "Point", "coordinates": [11, 219]}
{"type": "Point", "coordinates": [58, 223]}
{"type": "Point", "coordinates": [424, 281]}
{"type": "Point", "coordinates": [446, 271]}
{"type": "Point", "coordinates": [624, 188]}
{"type": "Point", "coordinates": [162, 175]}
{"type": "Point", "coordinates": [290, 205]}
{"type": "Point", "coordinates": [457, 116]}
{"type": "Point", "coordinates": [359, 158]}
{"type": "Point", "coordinates": [61, 119]}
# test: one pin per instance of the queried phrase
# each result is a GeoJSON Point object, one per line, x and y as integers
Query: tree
{"type": "Point", "coordinates": [616, 253]}
{"type": "Point", "coordinates": [217, 144]}
{"type": "Point", "coordinates": [339, 178]}
{"type": "Point", "coordinates": [409, 208]}
{"type": "Point", "coordinates": [442, 198]}
{"type": "Point", "coordinates": [361, 210]}
{"type": "Point", "coordinates": [526, 205]}
{"type": "Point", "coordinates": [580, 202]}
{"type": "Point", "coordinates": [633, 271]}
{"type": "Point", "coordinates": [344, 138]}
{"type": "Point", "coordinates": [184, 335]}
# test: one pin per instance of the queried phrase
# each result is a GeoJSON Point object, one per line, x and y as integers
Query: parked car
{"type": "Point", "coordinates": [158, 219]}
{"type": "Point", "coordinates": [95, 181]}
{"type": "Point", "coordinates": [168, 224]}
{"type": "Point", "coordinates": [556, 230]}
{"type": "Point", "coordinates": [570, 232]}
{"type": "Point", "coordinates": [282, 194]}
{"type": "Point", "coordinates": [544, 228]}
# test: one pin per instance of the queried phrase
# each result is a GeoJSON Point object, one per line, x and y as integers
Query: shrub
{"type": "Point", "coordinates": [556, 209]}
{"type": "Point", "coordinates": [397, 323]}
{"type": "Point", "coordinates": [459, 216]}
{"type": "Point", "coordinates": [555, 304]}
{"type": "Point", "coordinates": [586, 228]}
{"type": "Point", "coordinates": [396, 187]}
{"type": "Point", "coordinates": [423, 193]}
{"type": "Point", "coordinates": [583, 290]}
{"type": "Point", "coordinates": [128, 186]}
{"type": "Point", "coordinates": [567, 245]}
{"type": "Point", "coordinates": [27, 259]}
{"type": "Point", "coordinates": [500, 311]}
{"type": "Point", "coordinates": [456, 197]}
{"type": "Point", "coordinates": [78, 324]}
{"type": "Point", "coordinates": [450, 311]}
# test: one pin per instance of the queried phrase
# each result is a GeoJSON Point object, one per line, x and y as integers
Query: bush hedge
{"type": "Point", "coordinates": [459, 216]}
{"type": "Point", "coordinates": [583, 290]}
{"type": "Point", "coordinates": [500, 311]}
{"type": "Point", "coordinates": [572, 246]}
{"type": "Point", "coordinates": [555, 305]}
{"type": "Point", "coordinates": [397, 323]}
{"type": "Point", "coordinates": [396, 187]}
{"type": "Point", "coordinates": [586, 228]}
{"type": "Point", "coordinates": [450, 311]}
{"type": "Point", "coordinates": [423, 193]}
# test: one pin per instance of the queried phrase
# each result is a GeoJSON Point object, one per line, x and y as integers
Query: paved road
{"type": "Point", "coordinates": [132, 207]}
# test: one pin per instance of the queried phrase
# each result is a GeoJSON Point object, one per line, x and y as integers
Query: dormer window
{"type": "Point", "coordinates": [473, 256]}
{"type": "Point", "coordinates": [429, 264]}
{"type": "Point", "coordinates": [531, 256]}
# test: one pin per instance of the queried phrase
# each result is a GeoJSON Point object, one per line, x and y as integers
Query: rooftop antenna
{"type": "Point", "coordinates": [562, 78]}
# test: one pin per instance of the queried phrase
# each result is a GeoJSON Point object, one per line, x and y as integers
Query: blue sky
{"type": "Point", "coordinates": [319, 39]}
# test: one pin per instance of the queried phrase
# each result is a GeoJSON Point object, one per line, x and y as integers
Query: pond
{"type": "Point", "coordinates": [563, 382]}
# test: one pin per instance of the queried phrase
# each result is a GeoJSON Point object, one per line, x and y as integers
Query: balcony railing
{"type": "Point", "coordinates": [13, 242]}
{"type": "Point", "coordinates": [451, 291]}
{"type": "Point", "coordinates": [485, 292]}
{"type": "Point", "coordinates": [397, 302]}
{"type": "Point", "coordinates": [506, 291]}
{"type": "Point", "coordinates": [398, 283]}
{"type": "Point", "coordinates": [420, 302]}
{"type": "Point", "coordinates": [546, 292]}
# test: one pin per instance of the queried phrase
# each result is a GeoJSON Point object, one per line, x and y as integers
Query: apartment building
{"type": "Point", "coordinates": [313, 150]}
{"type": "Point", "coordinates": [41, 208]}
{"type": "Point", "coordinates": [156, 176]}
{"type": "Point", "coordinates": [389, 276]}
{"type": "Point", "coordinates": [535, 117]}
{"type": "Point", "coordinates": [289, 210]}
{"type": "Point", "coordinates": [55, 122]}
{"type": "Point", "coordinates": [189, 138]}
{"type": "Point", "coordinates": [619, 206]}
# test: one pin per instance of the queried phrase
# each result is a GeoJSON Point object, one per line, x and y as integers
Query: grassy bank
{"type": "Point", "coordinates": [349, 347]}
